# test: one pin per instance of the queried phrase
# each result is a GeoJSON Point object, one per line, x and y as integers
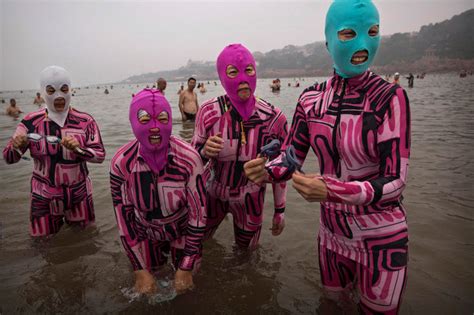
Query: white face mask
{"type": "Point", "coordinates": [56, 77]}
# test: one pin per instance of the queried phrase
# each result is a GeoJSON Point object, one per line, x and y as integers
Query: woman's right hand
{"type": "Point", "coordinates": [213, 146]}
{"type": "Point", "coordinates": [20, 142]}
{"type": "Point", "coordinates": [145, 282]}
{"type": "Point", "coordinates": [255, 169]}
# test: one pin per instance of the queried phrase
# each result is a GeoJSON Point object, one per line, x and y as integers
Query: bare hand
{"type": "Point", "coordinates": [20, 142]}
{"type": "Point", "coordinates": [145, 282]}
{"type": "Point", "coordinates": [255, 169]}
{"type": "Point", "coordinates": [213, 146]}
{"type": "Point", "coordinates": [278, 224]}
{"type": "Point", "coordinates": [183, 280]}
{"type": "Point", "coordinates": [310, 186]}
{"type": "Point", "coordinates": [70, 143]}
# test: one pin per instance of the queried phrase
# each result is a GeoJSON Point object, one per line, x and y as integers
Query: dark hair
{"type": "Point", "coordinates": [191, 78]}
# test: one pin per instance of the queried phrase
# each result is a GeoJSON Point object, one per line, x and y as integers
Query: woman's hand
{"type": "Point", "coordinates": [278, 224]}
{"type": "Point", "coordinates": [183, 280]}
{"type": "Point", "coordinates": [70, 143]}
{"type": "Point", "coordinates": [20, 142]}
{"type": "Point", "coordinates": [145, 282]}
{"type": "Point", "coordinates": [255, 169]}
{"type": "Point", "coordinates": [213, 146]}
{"type": "Point", "coordinates": [310, 186]}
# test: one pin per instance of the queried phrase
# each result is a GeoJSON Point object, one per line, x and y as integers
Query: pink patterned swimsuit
{"type": "Point", "coordinates": [359, 129]}
{"type": "Point", "coordinates": [60, 185]}
{"type": "Point", "coordinates": [229, 190]}
{"type": "Point", "coordinates": [157, 213]}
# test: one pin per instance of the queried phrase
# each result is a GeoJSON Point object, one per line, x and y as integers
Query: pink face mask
{"type": "Point", "coordinates": [150, 117]}
{"type": "Point", "coordinates": [240, 57]}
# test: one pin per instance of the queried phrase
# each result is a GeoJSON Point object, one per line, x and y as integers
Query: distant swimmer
{"type": "Point", "coordinates": [276, 85]}
{"type": "Point", "coordinates": [202, 89]}
{"type": "Point", "coordinates": [411, 80]}
{"type": "Point", "coordinates": [181, 89]}
{"type": "Point", "coordinates": [188, 101]}
{"type": "Point", "coordinates": [396, 78]}
{"type": "Point", "coordinates": [38, 100]}
{"type": "Point", "coordinates": [106, 91]}
{"type": "Point", "coordinates": [297, 84]}
{"type": "Point", "coordinates": [13, 110]}
{"type": "Point", "coordinates": [161, 84]}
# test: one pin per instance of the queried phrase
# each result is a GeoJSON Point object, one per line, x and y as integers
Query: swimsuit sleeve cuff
{"type": "Point", "coordinates": [187, 263]}
{"type": "Point", "coordinates": [279, 211]}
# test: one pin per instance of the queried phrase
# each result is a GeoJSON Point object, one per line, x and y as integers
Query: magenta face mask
{"type": "Point", "coordinates": [148, 111]}
{"type": "Point", "coordinates": [240, 57]}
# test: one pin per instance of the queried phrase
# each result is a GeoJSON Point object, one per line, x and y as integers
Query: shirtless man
{"type": "Point", "coordinates": [188, 102]}
{"type": "Point", "coordinates": [38, 100]}
{"type": "Point", "coordinates": [13, 110]}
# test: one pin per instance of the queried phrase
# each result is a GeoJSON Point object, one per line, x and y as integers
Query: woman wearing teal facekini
{"type": "Point", "coordinates": [358, 125]}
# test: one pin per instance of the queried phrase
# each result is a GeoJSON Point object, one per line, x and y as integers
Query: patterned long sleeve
{"type": "Point", "coordinates": [280, 188]}
{"type": "Point", "coordinates": [298, 137]}
{"type": "Point", "coordinates": [94, 151]}
{"type": "Point", "coordinates": [10, 154]}
{"type": "Point", "coordinates": [200, 133]}
{"type": "Point", "coordinates": [196, 198]}
{"type": "Point", "coordinates": [125, 216]}
{"type": "Point", "coordinates": [393, 144]}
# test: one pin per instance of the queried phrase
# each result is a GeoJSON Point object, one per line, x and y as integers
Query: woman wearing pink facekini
{"type": "Point", "coordinates": [230, 130]}
{"type": "Point", "coordinates": [158, 194]}
{"type": "Point", "coordinates": [61, 141]}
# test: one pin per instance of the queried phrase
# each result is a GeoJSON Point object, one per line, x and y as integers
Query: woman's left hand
{"type": "Point", "coordinates": [70, 143]}
{"type": "Point", "coordinates": [183, 280]}
{"type": "Point", "coordinates": [310, 186]}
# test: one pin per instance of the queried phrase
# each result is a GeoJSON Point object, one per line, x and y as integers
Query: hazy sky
{"type": "Point", "coordinates": [107, 41]}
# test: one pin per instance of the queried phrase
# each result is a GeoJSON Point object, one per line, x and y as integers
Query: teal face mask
{"type": "Point", "coordinates": [358, 16]}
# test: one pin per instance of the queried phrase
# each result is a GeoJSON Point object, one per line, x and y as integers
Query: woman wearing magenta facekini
{"type": "Point", "coordinates": [358, 125]}
{"type": "Point", "coordinates": [158, 194]}
{"type": "Point", "coordinates": [61, 141]}
{"type": "Point", "coordinates": [230, 130]}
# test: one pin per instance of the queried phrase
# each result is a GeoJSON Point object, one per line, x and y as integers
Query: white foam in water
{"type": "Point", "coordinates": [166, 292]}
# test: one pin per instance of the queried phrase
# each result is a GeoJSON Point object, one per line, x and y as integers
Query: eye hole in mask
{"type": "Point", "coordinates": [50, 90]}
{"type": "Point", "coordinates": [250, 70]}
{"type": "Point", "coordinates": [143, 116]}
{"type": "Point", "coordinates": [65, 88]}
{"type": "Point", "coordinates": [374, 30]}
{"type": "Point", "coordinates": [163, 118]}
{"type": "Point", "coordinates": [231, 71]}
{"type": "Point", "coordinates": [346, 34]}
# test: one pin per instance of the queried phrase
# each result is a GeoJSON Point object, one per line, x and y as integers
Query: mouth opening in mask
{"type": "Point", "coordinates": [244, 91]}
{"type": "Point", "coordinates": [360, 57]}
{"type": "Point", "coordinates": [59, 104]}
{"type": "Point", "coordinates": [155, 139]}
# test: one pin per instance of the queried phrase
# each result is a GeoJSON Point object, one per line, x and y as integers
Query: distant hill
{"type": "Point", "coordinates": [443, 46]}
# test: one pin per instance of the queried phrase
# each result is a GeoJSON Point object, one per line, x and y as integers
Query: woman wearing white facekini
{"type": "Point", "coordinates": [61, 140]}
